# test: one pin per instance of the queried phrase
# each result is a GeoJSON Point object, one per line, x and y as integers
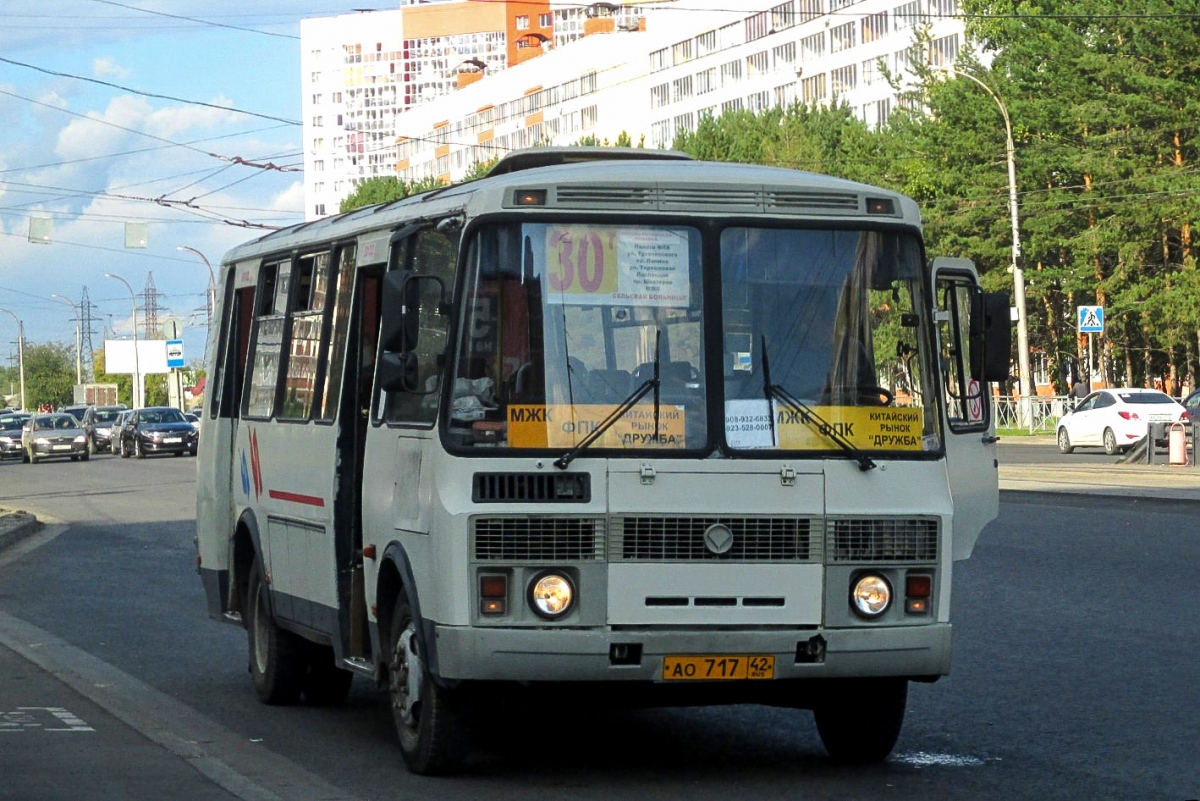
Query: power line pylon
{"type": "Point", "coordinates": [85, 335]}
{"type": "Point", "coordinates": [150, 299]}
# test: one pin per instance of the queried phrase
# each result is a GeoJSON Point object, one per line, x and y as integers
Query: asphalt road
{"type": "Point", "coordinates": [1074, 675]}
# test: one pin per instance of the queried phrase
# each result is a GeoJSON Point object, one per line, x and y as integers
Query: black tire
{"type": "Point", "coordinates": [325, 684]}
{"type": "Point", "coordinates": [124, 450]}
{"type": "Point", "coordinates": [429, 718]}
{"type": "Point", "coordinates": [860, 725]}
{"type": "Point", "coordinates": [74, 457]}
{"type": "Point", "coordinates": [83, 457]}
{"type": "Point", "coordinates": [277, 658]}
{"type": "Point", "coordinates": [1064, 442]}
{"type": "Point", "coordinates": [24, 456]}
{"type": "Point", "coordinates": [92, 446]}
{"type": "Point", "coordinates": [138, 451]}
{"type": "Point", "coordinates": [1110, 443]}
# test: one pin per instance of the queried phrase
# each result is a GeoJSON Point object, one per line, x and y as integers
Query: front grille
{"type": "Point", "coordinates": [882, 539]}
{"type": "Point", "coordinates": [681, 539]}
{"type": "Point", "coordinates": [544, 538]}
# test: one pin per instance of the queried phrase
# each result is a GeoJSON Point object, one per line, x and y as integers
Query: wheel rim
{"type": "Point", "coordinates": [1110, 441]}
{"type": "Point", "coordinates": [1063, 440]}
{"type": "Point", "coordinates": [404, 678]}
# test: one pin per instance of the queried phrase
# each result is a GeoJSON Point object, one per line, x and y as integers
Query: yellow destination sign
{"type": "Point", "coordinates": [563, 426]}
{"type": "Point", "coordinates": [868, 428]}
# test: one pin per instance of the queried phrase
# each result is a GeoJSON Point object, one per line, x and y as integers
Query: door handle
{"type": "Point", "coordinates": [990, 439]}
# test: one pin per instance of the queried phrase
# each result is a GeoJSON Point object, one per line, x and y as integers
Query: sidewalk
{"type": "Point", "coordinates": [1150, 481]}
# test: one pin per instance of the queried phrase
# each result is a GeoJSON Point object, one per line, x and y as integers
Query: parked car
{"type": "Point", "coordinates": [98, 423]}
{"type": "Point", "coordinates": [45, 436]}
{"type": "Point", "coordinates": [157, 429]}
{"type": "Point", "coordinates": [192, 418]}
{"type": "Point", "coordinates": [1117, 419]}
{"type": "Point", "coordinates": [10, 435]}
{"type": "Point", "coordinates": [122, 419]}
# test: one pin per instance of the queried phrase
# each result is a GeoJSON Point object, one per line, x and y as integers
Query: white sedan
{"type": "Point", "coordinates": [1117, 419]}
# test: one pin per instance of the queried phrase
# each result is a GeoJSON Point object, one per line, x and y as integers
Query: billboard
{"type": "Point", "coordinates": [151, 356]}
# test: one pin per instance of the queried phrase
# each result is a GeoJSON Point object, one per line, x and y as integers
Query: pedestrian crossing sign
{"type": "Point", "coordinates": [1091, 319]}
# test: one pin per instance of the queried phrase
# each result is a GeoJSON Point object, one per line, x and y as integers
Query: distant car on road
{"type": "Point", "coordinates": [1117, 419]}
{"type": "Point", "coordinates": [157, 429]}
{"type": "Point", "coordinates": [118, 426]}
{"type": "Point", "coordinates": [10, 435]}
{"type": "Point", "coordinates": [76, 410]}
{"type": "Point", "coordinates": [98, 423]}
{"type": "Point", "coordinates": [47, 436]}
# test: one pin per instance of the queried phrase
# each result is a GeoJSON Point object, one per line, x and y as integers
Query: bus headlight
{"type": "Point", "coordinates": [871, 595]}
{"type": "Point", "coordinates": [551, 595]}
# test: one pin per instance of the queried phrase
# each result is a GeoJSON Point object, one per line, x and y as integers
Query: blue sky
{"type": "Point", "coordinates": [93, 158]}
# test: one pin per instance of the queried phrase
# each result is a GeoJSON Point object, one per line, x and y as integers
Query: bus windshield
{"type": "Point", "coordinates": [832, 319]}
{"type": "Point", "coordinates": [565, 323]}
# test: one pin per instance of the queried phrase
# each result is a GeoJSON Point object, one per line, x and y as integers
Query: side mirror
{"type": "Point", "coordinates": [405, 294]}
{"type": "Point", "coordinates": [398, 372]}
{"type": "Point", "coordinates": [398, 328]}
{"type": "Point", "coordinates": [991, 336]}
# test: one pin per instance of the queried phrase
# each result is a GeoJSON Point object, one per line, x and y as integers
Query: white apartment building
{"type": "Point", "coordinates": [687, 62]}
{"type": "Point", "coordinates": [351, 77]}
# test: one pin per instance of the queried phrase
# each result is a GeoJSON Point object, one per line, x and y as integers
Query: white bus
{"type": "Point", "coordinates": [612, 419]}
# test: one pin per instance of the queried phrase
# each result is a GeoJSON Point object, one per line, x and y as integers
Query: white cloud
{"type": "Point", "coordinates": [105, 67]}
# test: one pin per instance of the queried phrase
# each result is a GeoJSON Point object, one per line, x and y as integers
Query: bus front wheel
{"type": "Point", "coordinates": [428, 717]}
{"type": "Point", "coordinates": [277, 657]}
{"type": "Point", "coordinates": [861, 724]}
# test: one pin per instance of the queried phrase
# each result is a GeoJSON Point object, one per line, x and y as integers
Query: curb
{"type": "Point", "coordinates": [16, 525]}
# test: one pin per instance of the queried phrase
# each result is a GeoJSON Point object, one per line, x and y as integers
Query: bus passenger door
{"type": "Point", "coordinates": [219, 475]}
{"type": "Point", "coordinates": [353, 418]}
{"type": "Point", "coordinates": [973, 350]}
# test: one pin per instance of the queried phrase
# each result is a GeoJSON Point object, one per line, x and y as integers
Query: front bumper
{"type": "Point", "coordinates": [9, 450]}
{"type": "Point", "coordinates": [587, 654]}
{"type": "Point", "coordinates": [57, 449]}
{"type": "Point", "coordinates": [185, 445]}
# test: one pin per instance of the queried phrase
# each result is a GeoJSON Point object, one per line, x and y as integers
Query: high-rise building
{"type": "Point", "coordinates": [654, 75]}
{"type": "Point", "coordinates": [352, 76]}
{"type": "Point", "coordinates": [358, 71]}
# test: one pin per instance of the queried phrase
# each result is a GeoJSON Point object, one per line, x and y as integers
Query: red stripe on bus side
{"type": "Point", "coordinates": [295, 497]}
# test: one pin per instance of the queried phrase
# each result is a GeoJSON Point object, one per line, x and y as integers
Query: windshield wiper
{"type": "Point", "coordinates": [652, 383]}
{"type": "Point", "coordinates": [807, 415]}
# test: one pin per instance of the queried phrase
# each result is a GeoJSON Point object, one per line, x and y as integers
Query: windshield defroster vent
{"type": "Point", "coordinates": [531, 488]}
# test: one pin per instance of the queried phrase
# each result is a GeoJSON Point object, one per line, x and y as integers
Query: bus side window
{"type": "Point", "coordinates": [267, 341]}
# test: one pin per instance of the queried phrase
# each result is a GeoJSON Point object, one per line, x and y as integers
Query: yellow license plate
{"type": "Point", "coordinates": [718, 667]}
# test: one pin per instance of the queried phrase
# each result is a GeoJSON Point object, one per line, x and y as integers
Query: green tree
{"type": "Point", "coordinates": [385, 190]}
{"type": "Point", "coordinates": [49, 375]}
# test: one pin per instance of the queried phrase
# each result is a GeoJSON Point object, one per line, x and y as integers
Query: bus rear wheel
{"type": "Point", "coordinates": [428, 717]}
{"type": "Point", "coordinates": [860, 724]}
{"type": "Point", "coordinates": [277, 658]}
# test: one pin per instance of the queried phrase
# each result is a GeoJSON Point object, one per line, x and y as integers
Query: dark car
{"type": "Point", "coordinates": [157, 429]}
{"type": "Point", "coordinates": [77, 410]}
{"type": "Point", "coordinates": [46, 436]}
{"type": "Point", "coordinates": [98, 423]}
{"type": "Point", "coordinates": [10, 435]}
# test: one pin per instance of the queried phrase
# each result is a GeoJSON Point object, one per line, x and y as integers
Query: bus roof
{"type": "Point", "coordinates": [586, 179]}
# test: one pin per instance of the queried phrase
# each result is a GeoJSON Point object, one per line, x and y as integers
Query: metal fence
{"type": "Point", "coordinates": [1044, 413]}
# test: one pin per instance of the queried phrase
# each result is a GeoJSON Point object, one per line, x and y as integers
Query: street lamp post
{"type": "Point", "coordinates": [20, 353]}
{"type": "Point", "coordinates": [136, 400]}
{"type": "Point", "coordinates": [212, 279]}
{"type": "Point", "coordinates": [1024, 372]}
{"type": "Point", "coordinates": [78, 338]}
